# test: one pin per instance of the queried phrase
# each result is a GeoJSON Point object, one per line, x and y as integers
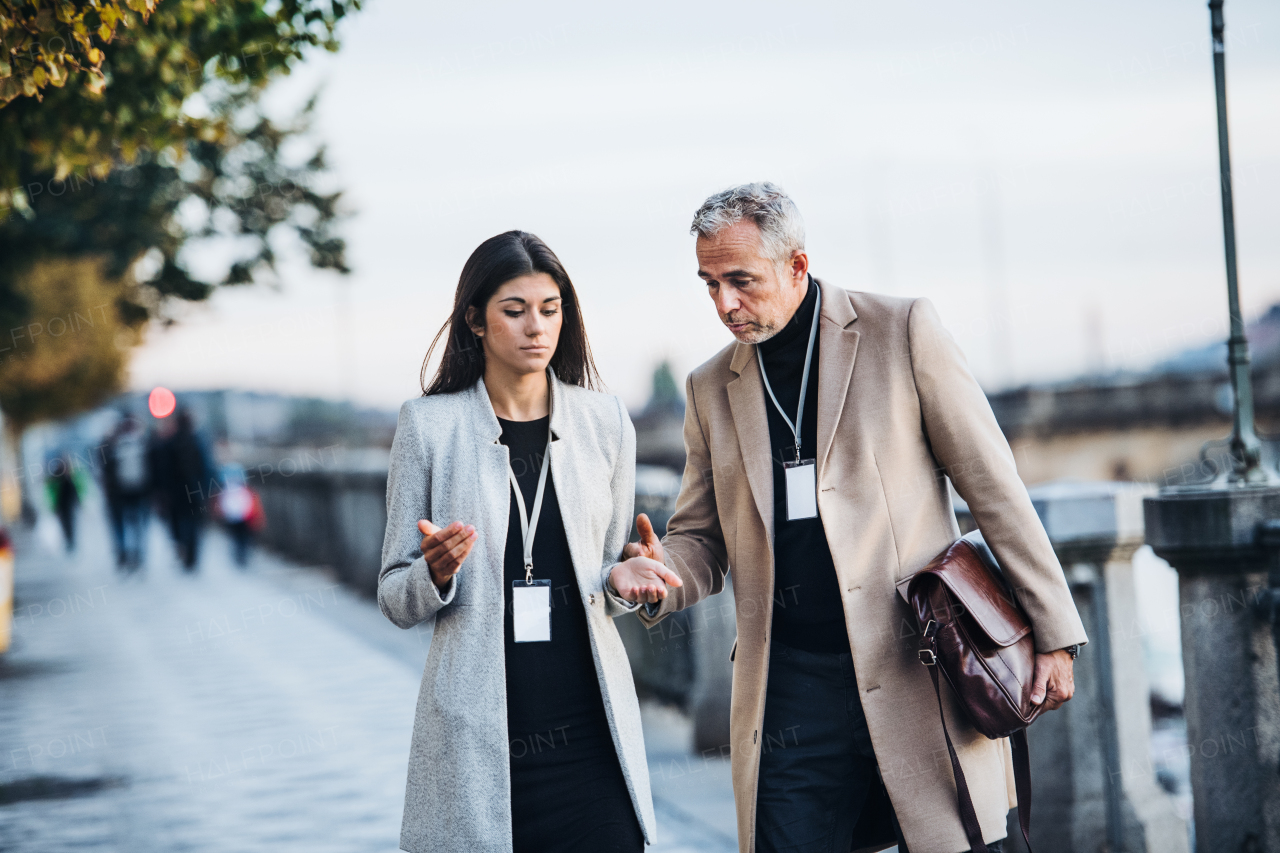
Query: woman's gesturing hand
{"type": "Point", "coordinates": [445, 549]}
{"type": "Point", "coordinates": [642, 576]}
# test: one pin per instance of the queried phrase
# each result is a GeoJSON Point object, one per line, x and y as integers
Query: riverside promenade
{"type": "Point", "coordinates": [235, 710]}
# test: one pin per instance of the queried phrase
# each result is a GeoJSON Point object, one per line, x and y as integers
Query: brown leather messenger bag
{"type": "Point", "coordinates": [973, 631]}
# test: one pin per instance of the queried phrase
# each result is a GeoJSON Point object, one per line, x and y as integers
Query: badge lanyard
{"type": "Point", "coordinates": [531, 599]}
{"type": "Point", "coordinates": [801, 479]}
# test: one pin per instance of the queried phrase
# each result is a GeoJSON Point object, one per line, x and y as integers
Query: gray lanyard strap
{"type": "Point", "coordinates": [804, 378]}
{"type": "Point", "coordinates": [529, 525]}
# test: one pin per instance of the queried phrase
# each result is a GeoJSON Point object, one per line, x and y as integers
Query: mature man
{"type": "Point", "coordinates": [819, 448]}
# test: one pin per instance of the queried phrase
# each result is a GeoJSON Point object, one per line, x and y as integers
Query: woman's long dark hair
{"type": "Point", "coordinates": [495, 262]}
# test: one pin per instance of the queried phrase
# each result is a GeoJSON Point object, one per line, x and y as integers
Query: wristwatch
{"type": "Point", "coordinates": [1073, 650]}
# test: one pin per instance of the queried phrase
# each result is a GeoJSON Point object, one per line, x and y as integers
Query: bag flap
{"type": "Point", "coordinates": [980, 592]}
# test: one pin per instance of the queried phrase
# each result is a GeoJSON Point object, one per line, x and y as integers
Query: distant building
{"type": "Point", "coordinates": [257, 419]}
{"type": "Point", "coordinates": [1150, 426]}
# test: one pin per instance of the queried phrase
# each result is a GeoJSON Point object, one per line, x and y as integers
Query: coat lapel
{"type": "Point", "coordinates": [569, 477]}
{"type": "Point", "coordinates": [484, 423]}
{"type": "Point", "coordinates": [746, 402]}
{"type": "Point", "coordinates": [837, 349]}
{"type": "Point", "coordinates": [558, 412]}
{"type": "Point", "coordinates": [490, 516]}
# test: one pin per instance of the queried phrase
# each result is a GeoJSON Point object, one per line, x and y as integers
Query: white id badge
{"type": "Point", "coordinates": [531, 611]}
{"type": "Point", "coordinates": [802, 489]}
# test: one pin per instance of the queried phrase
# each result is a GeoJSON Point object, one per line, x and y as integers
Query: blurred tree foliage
{"type": "Point", "coordinates": [42, 43]}
{"type": "Point", "coordinates": [257, 183]}
{"type": "Point", "coordinates": [666, 393]}
{"type": "Point", "coordinates": [140, 92]}
{"type": "Point", "coordinates": [137, 135]}
{"type": "Point", "coordinates": [73, 350]}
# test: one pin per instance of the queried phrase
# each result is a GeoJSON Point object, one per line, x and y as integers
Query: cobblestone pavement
{"type": "Point", "coordinates": [235, 711]}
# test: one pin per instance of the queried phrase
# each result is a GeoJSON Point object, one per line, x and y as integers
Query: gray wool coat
{"type": "Point", "coordinates": [447, 465]}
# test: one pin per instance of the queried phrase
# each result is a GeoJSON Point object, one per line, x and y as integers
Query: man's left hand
{"type": "Point", "coordinates": [1054, 682]}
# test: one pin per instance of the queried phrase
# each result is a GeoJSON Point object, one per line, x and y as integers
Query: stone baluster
{"type": "Point", "coordinates": [1223, 545]}
{"type": "Point", "coordinates": [1093, 779]}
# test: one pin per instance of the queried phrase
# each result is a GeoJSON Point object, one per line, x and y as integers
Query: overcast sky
{"type": "Point", "coordinates": [1046, 175]}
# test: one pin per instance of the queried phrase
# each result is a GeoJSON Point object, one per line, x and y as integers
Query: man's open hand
{"type": "Point", "coordinates": [1054, 682]}
{"type": "Point", "coordinates": [445, 549]}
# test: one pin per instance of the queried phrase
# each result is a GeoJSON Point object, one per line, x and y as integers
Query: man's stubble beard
{"type": "Point", "coordinates": [757, 334]}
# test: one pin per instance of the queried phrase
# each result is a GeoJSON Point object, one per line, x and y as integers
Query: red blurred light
{"type": "Point", "coordinates": [161, 402]}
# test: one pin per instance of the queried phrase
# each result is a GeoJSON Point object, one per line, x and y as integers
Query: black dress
{"type": "Point", "coordinates": [567, 790]}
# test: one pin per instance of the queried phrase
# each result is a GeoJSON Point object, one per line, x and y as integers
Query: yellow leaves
{"type": "Point", "coordinates": [135, 88]}
{"type": "Point", "coordinates": [10, 88]}
{"type": "Point", "coordinates": [143, 7]}
{"type": "Point", "coordinates": [43, 41]}
{"type": "Point", "coordinates": [110, 14]}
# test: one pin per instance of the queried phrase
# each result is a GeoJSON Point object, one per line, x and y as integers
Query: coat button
{"type": "Point", "coordinates": [591, 598]}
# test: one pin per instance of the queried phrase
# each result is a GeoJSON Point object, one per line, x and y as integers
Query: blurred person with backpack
{"type": "Point", "coordinates": [126, 481]}
{"type": "Point", "coordinates": [240, 509]}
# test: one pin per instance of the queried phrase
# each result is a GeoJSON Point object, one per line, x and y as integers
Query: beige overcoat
{"type": "Point", "coordinates": [898, 413]}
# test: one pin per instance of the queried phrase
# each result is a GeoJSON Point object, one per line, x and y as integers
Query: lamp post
{"type": "Point", "coordinates": [1218, 538]}
{"type": "Point", "coordinates": [1246, 450]}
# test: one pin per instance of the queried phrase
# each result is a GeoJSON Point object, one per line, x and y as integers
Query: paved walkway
{"type": "Point", "coordinates": [268, 709]}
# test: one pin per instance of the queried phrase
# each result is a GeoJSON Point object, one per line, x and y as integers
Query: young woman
{"type": "Point", "coordinates": [527, 735]}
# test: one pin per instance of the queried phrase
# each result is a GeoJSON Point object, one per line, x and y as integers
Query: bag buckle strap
{"type": "Point", "coordinates": [928, 651]}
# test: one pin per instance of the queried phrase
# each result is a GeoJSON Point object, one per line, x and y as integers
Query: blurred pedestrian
{"type": "Point", "coordinates": [240, 509]}
{"type": "Point", "coordinates": [185, 475]}
{"type": "Point", "coordinates": [126, 482]}
{"type": "Point", "coordinates": [66, 497]}
{"type": "Point", "coordinates": [541, 753]}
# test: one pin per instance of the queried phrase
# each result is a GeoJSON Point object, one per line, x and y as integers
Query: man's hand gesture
{"type": "Point", "coordinates": [445, 549]}
{"type": "Point", "coordinates": [642, 576]}
{"type": "Point", "coordinates": [649, 545]}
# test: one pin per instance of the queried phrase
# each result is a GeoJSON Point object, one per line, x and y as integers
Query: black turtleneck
{"type": "Point", "coordinates": [807, 610]}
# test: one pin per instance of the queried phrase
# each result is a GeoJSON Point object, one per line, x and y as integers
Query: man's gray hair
{"type": "Point", "coordinates": [765, 204]}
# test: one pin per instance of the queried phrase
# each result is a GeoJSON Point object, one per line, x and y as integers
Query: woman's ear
{"type": "Point", "coordinates": [477, 330]}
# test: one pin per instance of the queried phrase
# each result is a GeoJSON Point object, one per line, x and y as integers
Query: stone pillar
{"type": "Point", "coordinates": [1093, 782]}
{"type": "Point", "coordinates": [1212, 536]}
